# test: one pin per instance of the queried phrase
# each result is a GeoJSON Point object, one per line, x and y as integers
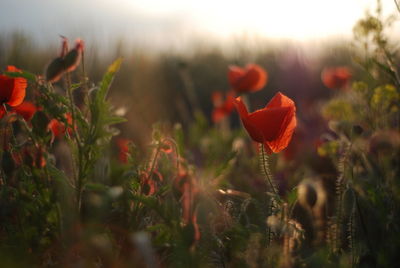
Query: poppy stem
{"type": "Point", "coordinates": [266, 171]}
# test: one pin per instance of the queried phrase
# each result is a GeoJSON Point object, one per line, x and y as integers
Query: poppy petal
{"type": "Point", "coordinates": [11, 68]}
{"type": "Point", "coordinates": [6, 87]}
{"type": "Point", "coordinates": [234, 73]}
{"type": "Point", "coordinates": [280, 100]}
{"type": "Point", "coordinates": [273, 125]}
{"type": "Point", "coordinates": [286, 132]}
{"type": "Point", "coordinates": [26, 110]}
{"type": "Point", "coordinates": [18, 91]}
{"type": "Point", "coordinates": [250, 79]}
{"type": "Point", "coordinates": [253, 131]}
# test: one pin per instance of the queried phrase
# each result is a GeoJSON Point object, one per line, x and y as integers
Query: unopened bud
{"type": "Point", "coordinates": [55, 70]}
{"type": "Point", "coordinates": [72, 59]}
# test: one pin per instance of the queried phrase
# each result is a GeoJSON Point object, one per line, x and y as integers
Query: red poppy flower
{"type": "Point", "coordinates": [12, 89]}
{"type": "Point", "coordinates": [272, 125]}
{"type": "Point", "coordinates": [222, 108]}
{"type": "Point", "coordinates": [123, 147]}
{"type": "Point", "coordinates": [26, 110]}
{"type": "Point", "coordinates": [58, 128]}
{"type": "Point", "coordinates": [249, 79]}
{"type": "Point", "coordinates": [335, 77]}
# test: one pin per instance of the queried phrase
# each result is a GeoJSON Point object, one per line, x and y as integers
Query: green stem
{"type": "Point", "coordinates": [266, 170]}
{"type": "Point", "coordinates": [80, 176]}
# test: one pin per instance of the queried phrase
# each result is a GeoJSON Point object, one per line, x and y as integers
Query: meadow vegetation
{"type": "Point", "coordinates": [254, 158]}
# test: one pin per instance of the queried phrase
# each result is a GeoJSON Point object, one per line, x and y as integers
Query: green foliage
{"type": "Point", "coordinates": [193, 196]}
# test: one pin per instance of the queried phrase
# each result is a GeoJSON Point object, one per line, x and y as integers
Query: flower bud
{"type": "Point", "coordinates": [73, 57]}
{"type": "Point", "coordinates": [55, 70]}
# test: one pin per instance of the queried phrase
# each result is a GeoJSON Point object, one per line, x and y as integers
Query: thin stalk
{"type": "Point", "coordinates": [266, 171]}
{"type": "Point", "coordinates": [78, 177]}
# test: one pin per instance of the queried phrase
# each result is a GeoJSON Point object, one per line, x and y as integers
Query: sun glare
{"type": "Point", "coordinates": [306, 19]}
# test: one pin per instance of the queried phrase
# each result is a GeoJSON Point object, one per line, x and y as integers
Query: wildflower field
{"type": "Point", "coordinates": [224, 162]}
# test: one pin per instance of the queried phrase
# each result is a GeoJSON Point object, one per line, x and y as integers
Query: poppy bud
{"type": "Point", "coordinates": [73, 57]}
{"type": "Point", "coordinates": [55, 70]}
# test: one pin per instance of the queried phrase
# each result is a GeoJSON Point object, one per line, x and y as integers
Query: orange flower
{"type": "Point", "coordinates": [335, 77]}
{"type": "Point", "coordinates": [123, 147]}
{"type": "Point", "coordinates": [249, 79]}
{"type": "Point", "coordinates": [58, 128]}
{"type": "Point", "coordinates": [12, 89]}
{"type": "Point", "coordinates": [222, 108]}
{"type": "Point", "coordinates": [272, 125]}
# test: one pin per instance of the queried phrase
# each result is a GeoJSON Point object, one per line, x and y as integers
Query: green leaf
{"type": "Point", "coordinates": [108, 78]}
{"type": "Point", "coordinates": [292, 196]}
{"type": "Point", "coordinates": [28, 76]}
{"type": "Point", "coordinates": [96, 187]}
{"type": "Point", "coordinates": [57, 174]}
{"type": "Point", "coordinates": [75, 86]}
{"type": "Point", "coordinates": [225, 164]}
{"type": "Point", "coordinates": [111, 120]}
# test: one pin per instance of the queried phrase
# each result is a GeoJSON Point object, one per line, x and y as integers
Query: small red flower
{"type": "Point", "coordinates": [335, 77]}
{"type": "Point", "coordinates": [272, 125]}
{"type": "Point", "coordinates": [32, 156]}
{"type": "Point", "coordinates": [123, 147]}
{"type": "Point", "coordinates": [222, 108]}
{"type": "Point", "coordinates": [249, 79]}
{"type": "Point", "coordinates": [58, 128]}
{"type": "Point", "coordinates": [26, 109]}
{"type": "Point", "coordinates": [12, 89]}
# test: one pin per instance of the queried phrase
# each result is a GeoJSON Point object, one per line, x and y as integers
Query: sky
{"type": "Point", "coordinates": [174, 23]}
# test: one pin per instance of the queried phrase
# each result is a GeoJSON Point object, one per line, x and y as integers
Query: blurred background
{"type": "Point", "coordinates": [176, 53]}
